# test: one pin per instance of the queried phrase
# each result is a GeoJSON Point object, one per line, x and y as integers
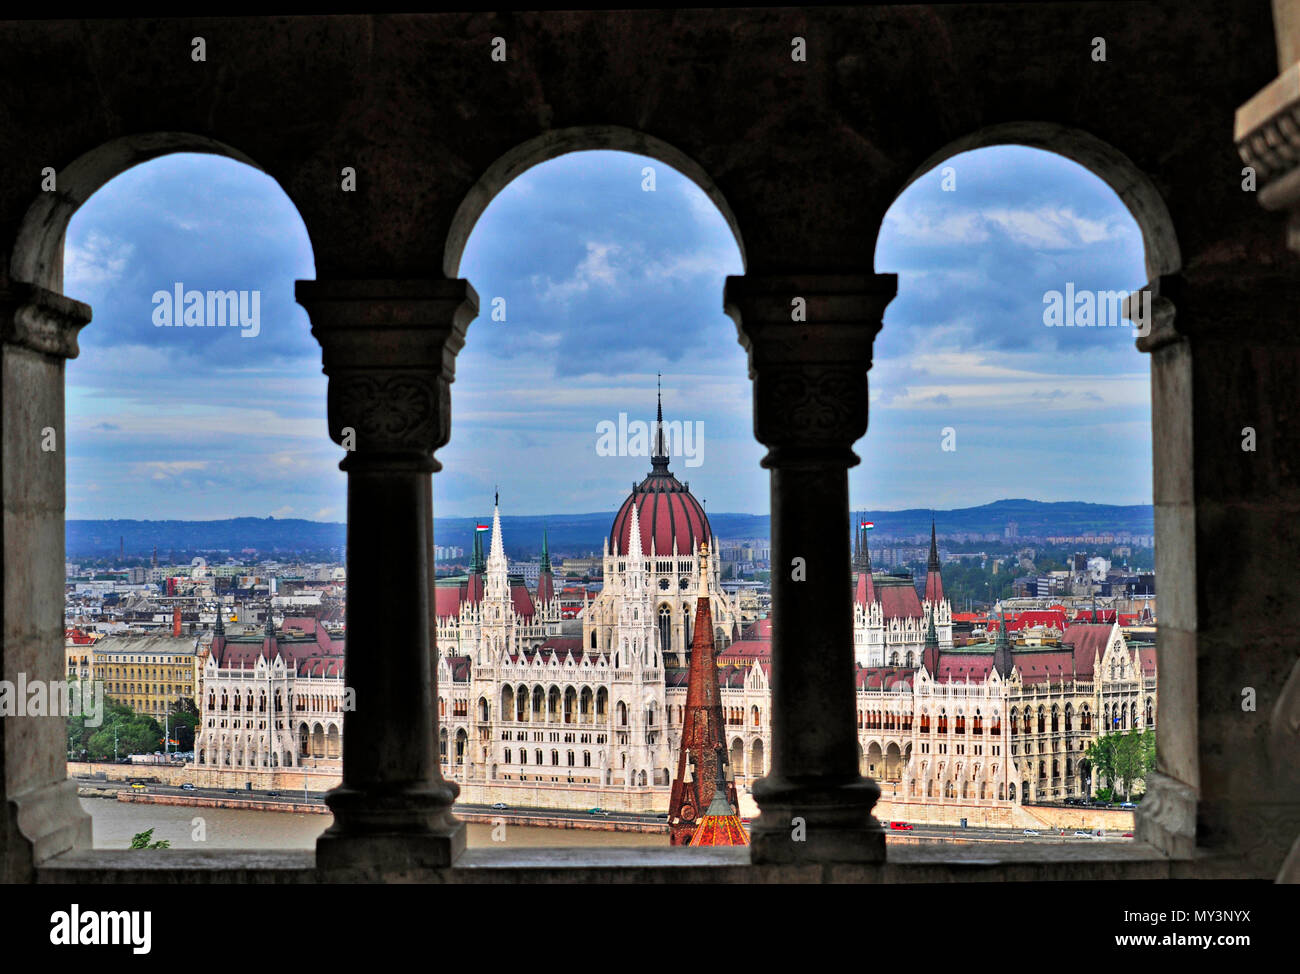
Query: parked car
{"type": "Point", "coordinates": [500, 805]}
{"type": "Point", "coordinates": [1127, 805]}
{"type": "Point", "coordinates": [901, 826]}
{"type": "Point", "coordinates": [597, 811]}
{"type": "Point", "coordinates": [272, 794]}
{"type": "Point", "coordinates": [1127, 835]}
{"type": "Point", "coordinates": [187, 787]}
{"type": "Point", "coordinates": [138, 787]}
{"type": "Point", "coordinates": [1031, 832]}
{"type": "Point", "coordinates": [1080, 834]}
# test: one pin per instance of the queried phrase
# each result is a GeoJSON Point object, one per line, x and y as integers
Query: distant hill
{"type": "Point", "coordinates": [572, 534]}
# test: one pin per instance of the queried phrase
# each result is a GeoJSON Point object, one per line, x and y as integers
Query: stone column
{"type": "Point", "coordinates": [809, 340]}
{"type": "Point", "coordinates": [389, 349]}
{"type": "Point", "coordinates": [39, 812]}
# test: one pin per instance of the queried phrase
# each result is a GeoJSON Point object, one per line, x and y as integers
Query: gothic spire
{"type": "Point", "coordinates": [546, 555]}
{"type": "Point", "coordinates": [659, 459]}
{"type": "Point", "coordinates": [933, 576]}
{"type": "Point", "coordinates": [1002, 658]}
{"type": "Point", "coordinates": [476, 565]}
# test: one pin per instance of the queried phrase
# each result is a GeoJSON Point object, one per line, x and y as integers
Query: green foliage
{"type": "Point", "coordinates": [1122, 759]}
{"type": "Point", "coordinates": [136, 734]}
{"type": "Point", "coordinates": [184, 717]}
{"type": "Point", "coordinates": [141, 841]}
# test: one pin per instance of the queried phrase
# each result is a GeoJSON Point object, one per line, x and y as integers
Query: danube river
{"type": "Point", "coordinates": [228, 828]}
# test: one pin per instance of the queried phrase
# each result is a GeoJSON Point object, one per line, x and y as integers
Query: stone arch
{"type": "Point", "coordinates": [756, 759]}
{"type": "Point", "coordinates": [37, 256]}
{"type": "Point", "coordinates": [549, 145]}
{"type": "Point", "coordinates": [1133, 186]}
{"type": "Point", "coordinates": [893, 763]}
{"type": "Point", "coordinates": [875, 760]}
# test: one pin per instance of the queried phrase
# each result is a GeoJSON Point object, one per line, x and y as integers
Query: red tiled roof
{"type": "Point", "coordinates": [446, 601]}
{"type": "Point", "coordinates": [900, 601]}
{"type": "Point", "coordinates": [884, 677]}
{"type": "Point", "coordinates": [1031, 618]}
{"type": "Point", "coordinates": [964, 667]}
{"type": "Point", "coordinates": [1089, 640]}
{"type": "Point", "coordinates": [667, 512]}
{"type": "Point", "coordinates": [460, 668]}
{"type": "Point", "coordinates": [522, 600]}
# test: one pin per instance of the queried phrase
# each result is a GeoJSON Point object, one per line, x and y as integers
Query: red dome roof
{"type": "Point", "coordinates": [667, 512]}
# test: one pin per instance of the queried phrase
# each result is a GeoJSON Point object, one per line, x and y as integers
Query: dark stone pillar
{"type": "Point", "coordinates": [389, 349]}
{"type": "Point", "coordinates": [39, 813]}
{"type": "Point", "coordinates": [809, 339]}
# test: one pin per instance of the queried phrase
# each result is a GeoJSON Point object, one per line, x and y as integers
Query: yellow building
{"type": "Point", "coordinates": [147, 673]}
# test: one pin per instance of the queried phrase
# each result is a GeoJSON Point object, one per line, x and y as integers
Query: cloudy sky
{"type": "Point", "coordinates": [605, 285]}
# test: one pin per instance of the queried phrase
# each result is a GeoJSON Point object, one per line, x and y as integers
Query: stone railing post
{"type": "Point", "coordinates": [389, 349]}
{"type": "Point", "coordinates": [809, 340]}
{"type": "Point", "coordinates": [39, 812]}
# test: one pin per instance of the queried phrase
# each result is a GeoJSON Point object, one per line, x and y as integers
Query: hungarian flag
{"type": "Point", "coordinates": [482, 527]}
{"type": "Point", "coordinates": [868, 525]}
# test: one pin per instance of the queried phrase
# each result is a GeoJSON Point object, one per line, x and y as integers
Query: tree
{"type": "Point", "coordinates": [141, 841]}
{"type": "Point", "coordinates": [1135, 753]}
{"type": "Point", "coordinates": [1100, 755]}
{"type": "Point", "coordinates": [184, 718]}
{"type": "Point", "coordinates": [136, 733]}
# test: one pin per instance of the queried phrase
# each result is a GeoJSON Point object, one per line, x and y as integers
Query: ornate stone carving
{"type": "Point", "coordinates": [42, 320]}
{"type": "Point", "coordinates": [389, 348]}
{"type": "Point", "coordinates": [809, 339]}
{"type": "Point", "coordinates": [390, 411]}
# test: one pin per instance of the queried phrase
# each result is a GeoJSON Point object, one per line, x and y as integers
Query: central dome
{"type": "Point", "coordinates": [665, 508]}
{"type": "Point", "coordinates": [668, 512]}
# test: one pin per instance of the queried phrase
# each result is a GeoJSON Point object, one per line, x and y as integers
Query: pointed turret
{"type": "Point", "coordinates": [930, 654]}
{"type": "Point", "coordinates": [721, 823]}
{"type": "Point", "coordinates": [477, 566]}
{"type": "Point", "coordinates": [864, 592]}
{"type": "Point", "coordinates": [659, 459]}
{"type": "Point", "coordinates": [933, 577]}
{"type": "Point", "coordinates": [634, 551]}
{"type": "Point", "coordinates": [703, 733]}
{"type": "Point", "coordinates": [1003, 660]}
{"type": "Point", "coordinates": [545, 577]}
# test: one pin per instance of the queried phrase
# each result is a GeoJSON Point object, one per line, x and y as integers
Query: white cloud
{"type": "Point", "coordinates": [100, 260]}
{"type": "Point", "coordinates": [164, 469]}
{"type": "Point", "coordinates": [927, 227]}
{"type": "Point", "coordinates": [593, 269]}
{"type": "Point", "coordinates": [1051, 228]}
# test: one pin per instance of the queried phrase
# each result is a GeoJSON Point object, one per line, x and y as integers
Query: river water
{"type": "Point", "coordinates": [229, 828]}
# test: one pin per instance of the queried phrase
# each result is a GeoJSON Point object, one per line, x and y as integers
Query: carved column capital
{"type": "Point", "coordinates": [809, 338]}
{"type": "Point", "coordinates": [389, 348]}
{"type": "Point", "coordinates": [1159, 330]}
{"type": "Point", "coordinates": [41, 320]}
{"type": "Point", "coordinates": [1267, 135]}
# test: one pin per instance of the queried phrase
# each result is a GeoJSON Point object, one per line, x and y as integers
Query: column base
{"type": "Point", "coordinates": [1166, 819]}
{"type": "Point", "coordinates": [41, 824]}
{"type": "Point", "coordinates": [385, 837]}
{"type": "Point", "coordinates": [816, 821]}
